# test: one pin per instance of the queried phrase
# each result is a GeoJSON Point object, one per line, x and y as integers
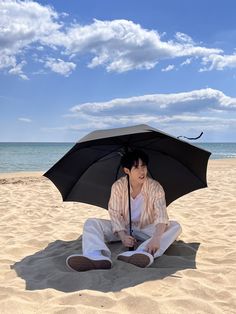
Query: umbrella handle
{"type": "Point", "coordinates": [130, 221]}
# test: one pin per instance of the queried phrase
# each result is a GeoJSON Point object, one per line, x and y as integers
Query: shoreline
{"type": "Point", "coordinates": [22, 174]}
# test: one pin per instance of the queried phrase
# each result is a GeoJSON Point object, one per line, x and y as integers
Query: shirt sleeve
{"type": "Point", "coordinates": [161, 215]}
{"type": "Point", "coordinates": [115, 210]}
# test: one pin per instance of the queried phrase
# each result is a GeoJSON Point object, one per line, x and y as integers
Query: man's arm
{"type": "Point", "coordinates": [116, 216]}
{"type": "Point", "coordinates": [114, 209]}
{"type": "Point", "coordinates": [127, 240]}
{"type": "Point", "coordinates": [161, 220]}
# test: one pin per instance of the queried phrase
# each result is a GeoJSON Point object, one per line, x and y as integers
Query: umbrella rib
{"type": "Point", "coordinates": [118, 142]}
{"type": "Point", "coordinates": [94, 161]}
{"type": "Point", "coordinates": [161, 151]}
{"type": "Point", "coordinates": [190, 170]}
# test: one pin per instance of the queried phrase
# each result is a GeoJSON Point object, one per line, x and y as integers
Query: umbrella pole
{"type": "Point", "coordinates": [130, 222]}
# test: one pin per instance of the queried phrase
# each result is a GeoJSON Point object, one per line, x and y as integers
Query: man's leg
{"type": "Point", "coordinates": [95, 233]}
{"type": "Point", "coordinates": [96, 255]}
{"type": "Point", "coordinates": [169, 236]}
{"type": "Point", "coordinates": [140, 257]}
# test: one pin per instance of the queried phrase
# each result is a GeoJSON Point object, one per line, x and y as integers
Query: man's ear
{"type": "Point", "coordinates": [126, 170]}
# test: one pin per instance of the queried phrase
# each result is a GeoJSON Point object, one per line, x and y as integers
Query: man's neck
{"type": "Point", "coordinates": [136, 188]}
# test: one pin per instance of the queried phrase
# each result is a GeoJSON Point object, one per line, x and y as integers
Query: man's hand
{"type": "Point", "coordinates": [127, 240]}
{"type": "Point", "coordinates": [153, 245]}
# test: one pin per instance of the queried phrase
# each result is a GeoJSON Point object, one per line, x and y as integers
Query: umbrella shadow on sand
{"type": "Point", "coordinates": [47, 269]}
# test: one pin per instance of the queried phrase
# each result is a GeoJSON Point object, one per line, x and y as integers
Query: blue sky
{"type": "Point", "coordinates": [70, 67]}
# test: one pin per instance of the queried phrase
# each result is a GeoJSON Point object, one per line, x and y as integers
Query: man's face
{"type": "Point", "coordinates": [138, 172]}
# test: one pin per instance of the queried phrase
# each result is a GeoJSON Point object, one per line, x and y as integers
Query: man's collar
{"type": "Point", "coordinates": [144, 187]}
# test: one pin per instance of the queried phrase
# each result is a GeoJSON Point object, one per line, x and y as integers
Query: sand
{"type": "Point", "coordinates": [197, 274]}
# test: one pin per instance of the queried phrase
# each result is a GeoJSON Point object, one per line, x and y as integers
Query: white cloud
{"type": "Point", "coordinates": [59, 66]}
{"type": "Point", "coordinates": [40, 48]}
{"type": "Point", "coordinates": [177, 125]}
{"type": "Point", "coordinates": [184, 38]}
{"type": "Point", "coordinates": [186, 113]}
{"type": "Point", "coordinates": [83, 125]}
{"type": "Point", "coordinates": [17, 70]}
{"type": "Point", "coordinates": [170, 67]}
{"type": "Point", "coordinates": [186, 62]}
{"type": "Point", "coordinates": [218, 62]}
{"type": "Point", "coordinates": [117, 45]}
{"type": "Point", "coordinates": [22, 24]}
{"type": "Point", "coordinates": [122, 45]}
{"type": "Point", "coordinates": [27, 120]}
{"type": "Point", "coordinates": [186, 102]}
{"type": "Point", "coordinates": [6, 61]}
{"type": "Point", "coordinates": [25, 22]}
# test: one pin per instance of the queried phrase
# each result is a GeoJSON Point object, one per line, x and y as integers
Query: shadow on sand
{"type": "Point", "coordinates": [47, 269]}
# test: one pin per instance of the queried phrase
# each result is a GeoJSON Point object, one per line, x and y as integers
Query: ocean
{"type": "Point", "coordinates": [16, 157]}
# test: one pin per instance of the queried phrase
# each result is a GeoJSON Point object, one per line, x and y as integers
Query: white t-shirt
{"type": "Point", "coordinates": [137, 205]}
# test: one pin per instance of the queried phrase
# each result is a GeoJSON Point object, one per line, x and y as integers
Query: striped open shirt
{"type": "Point", "coordinates": [154, 204]}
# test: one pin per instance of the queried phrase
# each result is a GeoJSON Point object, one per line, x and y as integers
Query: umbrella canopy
{"type": "Point", "coordinates": [87, 172]}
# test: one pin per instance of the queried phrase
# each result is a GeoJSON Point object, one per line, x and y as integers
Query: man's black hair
{"type": "Point", "coordinates": [131, 159]}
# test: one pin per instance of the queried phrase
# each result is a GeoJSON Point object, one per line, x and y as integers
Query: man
{"type": "Point", "coordinates": [150, 222]}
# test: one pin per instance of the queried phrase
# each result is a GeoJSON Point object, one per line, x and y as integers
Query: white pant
{"type": "Point", "coordinates": [98, 231]}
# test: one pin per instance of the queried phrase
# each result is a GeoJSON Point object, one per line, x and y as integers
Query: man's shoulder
{"type": "Point", "coordinates": [120, 182]}
{"type": "Point", "coordinates": [152, 183]}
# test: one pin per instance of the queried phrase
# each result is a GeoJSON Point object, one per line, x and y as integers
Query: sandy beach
{"type": "Point", "coordinates": [197, 274]}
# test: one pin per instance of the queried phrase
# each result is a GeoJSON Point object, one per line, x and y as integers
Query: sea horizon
{"type": "Point", "coordinates": [40, 156]}
{"type": "Point", "coordinates": [71, 142]}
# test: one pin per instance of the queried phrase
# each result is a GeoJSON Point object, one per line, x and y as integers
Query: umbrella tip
{"type": "Point", "coordinates": [190, 138]}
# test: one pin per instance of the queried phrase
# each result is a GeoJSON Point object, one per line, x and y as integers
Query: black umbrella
{"type": "Point", "coordinates": [87, 172]}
